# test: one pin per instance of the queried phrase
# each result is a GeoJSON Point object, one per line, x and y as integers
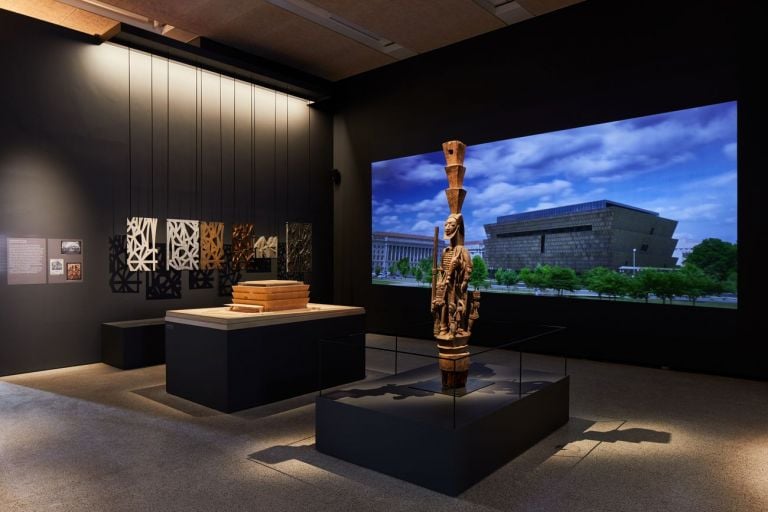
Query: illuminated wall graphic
{"type": "Point", "coordinates": [141, 248]}
{"type": "Point", "coordinates": [183, 241]}
{"type": "Point", "coordinates": [298, 247]}
{"type": "Point", "coordinates": [212, 245]}
{"type": "Point", "coordinates": [626, 196]}
{"type": "Point", "coordinates": [242, 244]}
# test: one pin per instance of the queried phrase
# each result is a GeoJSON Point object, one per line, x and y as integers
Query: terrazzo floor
{"type": "Point", "coordinates": [96, 438]}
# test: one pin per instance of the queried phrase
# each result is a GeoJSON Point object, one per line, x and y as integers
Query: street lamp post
{"type": "Point", "coordinates": [634, 266]}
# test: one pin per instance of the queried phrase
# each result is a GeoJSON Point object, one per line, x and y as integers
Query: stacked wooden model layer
{"type": "Point", "coordinates": [272, 295]}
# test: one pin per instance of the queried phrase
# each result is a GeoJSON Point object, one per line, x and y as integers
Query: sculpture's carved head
{"type": "Point", "coordinates": [454, 228]}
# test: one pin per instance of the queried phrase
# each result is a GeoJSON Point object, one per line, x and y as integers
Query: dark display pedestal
{"type": "Point", "coordinates": [234, 369]}
{"type": "Point", "coordinates": [133, 343]}
{"type": "Point", "coordinates": [391, 426]}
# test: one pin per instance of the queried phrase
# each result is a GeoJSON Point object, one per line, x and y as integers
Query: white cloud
{"type": "Point", "coordinates": [567, 199]}
{"type": "Point", "coordinates": [425, 205]}
{"type": "Point", "coordinates": [726, 179]}
{"type": "Point", "coordinates": [513, 159]}
{"type": "Point", "coordinates": [389, 220]}
{"type": "Point", "coordinates": [498, 192]}
{"type": "Point", "coordinates": [425, 172]}
{"type": "Point", "coordinates": [730, 150]}
{"type": "Point", "coordinates": [424, 226]}
{"type": "Point", "coordinates": [382, 208]}
{"type": "Point", "coordinates": [703, 211]}
{"type": "Point", "coordinates": [491, 213]}
{"type": "Point", "coordinates": [411, 169]}
{"type": "Point", "coordinates": [543, 205]}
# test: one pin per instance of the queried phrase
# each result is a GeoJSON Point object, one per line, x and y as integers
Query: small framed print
{"type": "Point", "coordinates": [56, 266]}
{"type": "Point", "coordinates": [74, 271]}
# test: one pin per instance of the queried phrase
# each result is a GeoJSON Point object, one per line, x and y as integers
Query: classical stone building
{"type": "Point", "coordinates": [475, 248]}
{"type": "Point", "coordinates": [388, 248]}
{"type": "Point", "coordinates": [582, 236]}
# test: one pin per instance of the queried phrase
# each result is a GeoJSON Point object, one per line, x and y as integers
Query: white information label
{"type": "Point", "coordinates": [26, 261]}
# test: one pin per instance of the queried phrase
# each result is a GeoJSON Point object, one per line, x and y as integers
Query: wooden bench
{"type": "Point", "coordinates": [133, 343]}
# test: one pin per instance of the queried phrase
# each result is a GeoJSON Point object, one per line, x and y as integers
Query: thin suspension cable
{"type": "Point", "coordinates": [253, 151]}
{"type": "Point", "coordinates": [152, 131]}
{"type": "Point", "coordinates": [197, 150]}
{"type": "Point", "coordinates": [274, 166]}
{"type": "Point", "coordinates": [202, 143]}
{"type": "Point", "coordinates": [167, 136]}
{"type": "Point", "coordinates": [309, 159]}
{"type": "Point", "coordinates": [234, 147]}
{"type": "Point", "coordinates": [130, 144]}
{"type": "Point", "coordinates": [287, 166]}
{"type": "Point", "coordinates": [192, 181]}
{"type": "Point", "coordinates": [221, 158]}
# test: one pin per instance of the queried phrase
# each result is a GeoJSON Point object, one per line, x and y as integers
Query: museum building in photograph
{"type": "Point", "coordinates": [582, 236]}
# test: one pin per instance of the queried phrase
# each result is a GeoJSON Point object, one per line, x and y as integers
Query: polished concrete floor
{"type": "Point", "coordinates": [96, 438]}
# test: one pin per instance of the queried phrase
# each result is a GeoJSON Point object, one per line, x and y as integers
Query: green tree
{"type": "Point", "coordinates": [641, 284]}
{"type": "Point", "coordinates": [418, 274]}
{"type": "Point", "coordinates": [594, 280]}
{"type": "Point", "coordinates": [730, 284]}
{"type": "Point", "coordinates": [479, 275]}
{"type": "Point", "coordinates": [506, 277]}
{"type": "Point", "coordinates": [377, 270]}
{"type": "Point", "coordinates": [560, 278]}
{"type": "Point", "coordinates": [392, 269]}
{"type": "Point", "coordinates": [668, 285]}
{"type": "Point", "coordinates": [426, 268]}
{"type": "Point", "coordinates": [533, 279]}
{"type": "Point", "coordinates": [403, 266]}
{"type": "Point", "coordinates": [715, 257]}
{"type": "Point", "coordinates": [696, 283]}
{"type": "Point", "coordinates": [604, 281]}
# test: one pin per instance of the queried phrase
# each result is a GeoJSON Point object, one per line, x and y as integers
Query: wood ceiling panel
{"type": "Point", "coordinates": [539, 7]}
{"type": "Point", "coordinates": [279, 35]}
{"type": "Point", "coordinates": [419, 25]}
{"type": "Point", "coordinates": [60, 14]}
{"type": "Point", "coordinates": [88, 22]}
{"type": "Point", "coordinates": [197, 16]}
{"type": "Point", "coordinates": [263, 29]}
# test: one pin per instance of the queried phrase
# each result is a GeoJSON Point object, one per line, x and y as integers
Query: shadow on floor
{"type": "Point", "coordinates": [630, 435]}
{"type": "Point", "coordinates": [556, 444]}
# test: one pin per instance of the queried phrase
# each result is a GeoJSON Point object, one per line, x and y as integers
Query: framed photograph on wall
{"type": "Point", "coordinates": [56, 266]}
{"type": "Point", "coordinates": [71, 247]}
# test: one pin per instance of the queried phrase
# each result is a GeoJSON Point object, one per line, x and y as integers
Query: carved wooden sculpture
{"type": "Point", "coordinates": [454, 310]}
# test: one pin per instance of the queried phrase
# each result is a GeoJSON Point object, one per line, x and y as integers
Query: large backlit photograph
{"type": "Point", "coordinates": [641, 210]}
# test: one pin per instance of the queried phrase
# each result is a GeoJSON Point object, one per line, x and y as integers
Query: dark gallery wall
{"type": "Point", "coordinates": [198, 146]}
{"type": "Point", "coordinates": [594, 62]}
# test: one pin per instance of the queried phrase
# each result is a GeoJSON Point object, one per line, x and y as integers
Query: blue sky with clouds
{"type": "Point", "coordinates": [680, 164]}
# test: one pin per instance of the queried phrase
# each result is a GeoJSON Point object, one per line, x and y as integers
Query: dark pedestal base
{"type": "Point", "coordinates": [231, 370]}
{"type": "Point", "coordinates": [391, 426]}
{"type": "Point", "coordinates": [133, 344]}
